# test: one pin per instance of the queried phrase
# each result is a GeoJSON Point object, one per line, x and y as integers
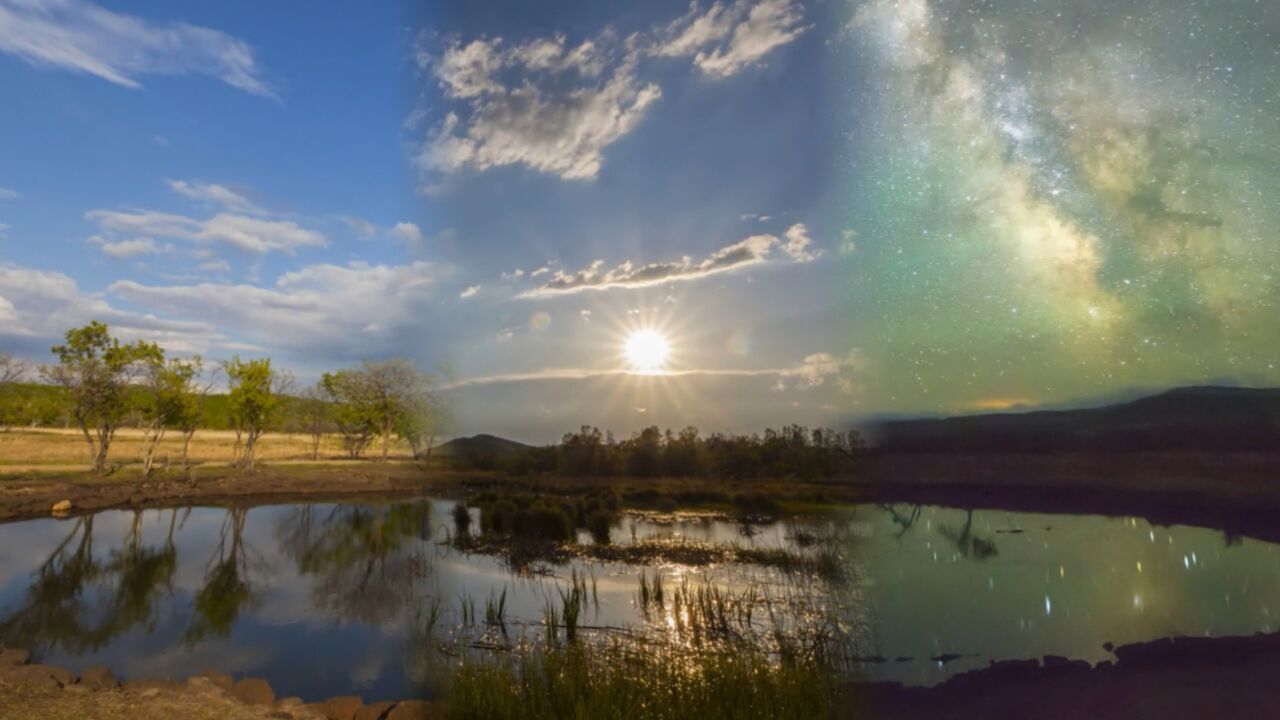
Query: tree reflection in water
{"type": "Point", "coordinates": [79, 603]}
{"type": "Point", "coordinates": [227, 589]}
{"type": "Point", "coordinates": [968, 543]}
{"type": "Point", "coordinates": [366, 561]}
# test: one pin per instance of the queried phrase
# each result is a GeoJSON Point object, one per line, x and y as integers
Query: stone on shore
{"type": "Point", "coordinates": [342, 707]}
{"type": "Point", "coordinates": [99, 677]}
{"type": "Point", "coordinates": [254, 691]}
{"type": "Point", "coordinates": [62, 507]}
{"type": "Point", "coordinates": [376, 711]}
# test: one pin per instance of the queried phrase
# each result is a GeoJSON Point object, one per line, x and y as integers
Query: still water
{"type": "Point", "coordinates": [329, 599]}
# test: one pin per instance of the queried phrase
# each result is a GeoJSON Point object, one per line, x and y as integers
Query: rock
{"type": "Point", "coordinates": [152, 686]}
{"type": "Point", "coordinates": [99, 677]}
{"type": "Point", "coordinates": [343, 707]}
{"type": "Point", "coordinates": [1109, 646]}
{"type": "Point", "coordinates": [376, 711]}
{"type": "Point", "coordinates": [222, 680]}
{"type": "Point", "coordinates": [254, 691]}
{"type": "Point", "coordinates": [13, 656]}
{"type": "Point", "coordinates": [62, 507]}
{"type": "Point", "coordinates": [414, 710]}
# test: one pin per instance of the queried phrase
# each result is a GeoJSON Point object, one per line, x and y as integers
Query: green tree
{"type": "Point", "coordinates": [166, 403]}
{"type": "Point", "coordinates": [96, 370]}
{"type": "Point", "coordinates": [314, 417]}
{"type": "Point", "coordinates": [376, 399]}
{"type": "Point", "coordinates": [252, 401]}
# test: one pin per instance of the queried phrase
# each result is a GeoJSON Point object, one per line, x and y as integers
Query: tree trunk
{"type": "Point", "coordinates": [386, 438]}
{"type": "Point", "coordinates": [186, 444]}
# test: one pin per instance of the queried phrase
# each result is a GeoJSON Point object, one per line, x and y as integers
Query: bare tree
{"type": "Point", "coordinates": [12, 371]}
{"type": "Point", "coordinates": [192, 414]}
{"type": "Point", "coordinates": [96, 371]}
{"type": "Point", "coordinates": [314, 417]}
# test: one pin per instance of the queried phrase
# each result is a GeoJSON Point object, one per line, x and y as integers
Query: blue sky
{"type": "Point", "coordinates": [830, 208]}
{"type": "Point", "coordinates": [268, 180]}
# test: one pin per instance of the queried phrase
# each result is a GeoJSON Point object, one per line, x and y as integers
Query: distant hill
{"type": "Point", "coordinates": [1193, 418]}
{"type": "Point", "coordinates": [478, 446]}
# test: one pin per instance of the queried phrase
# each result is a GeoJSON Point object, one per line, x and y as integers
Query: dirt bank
{"type": "Point", "coordinates": [35, 496]}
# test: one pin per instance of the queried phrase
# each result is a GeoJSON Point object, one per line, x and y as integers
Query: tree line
{"type": "Point", "coordinates": [101, 384]}
{"type": "Point", "coordinates": [792, 451]}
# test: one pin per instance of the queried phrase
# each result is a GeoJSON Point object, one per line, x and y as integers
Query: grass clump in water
{"type": "Point", "coordinates": [618, 679]}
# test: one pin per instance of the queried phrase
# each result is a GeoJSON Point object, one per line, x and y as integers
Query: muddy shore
{"type": "Point", "coordinates": [1238, 494]}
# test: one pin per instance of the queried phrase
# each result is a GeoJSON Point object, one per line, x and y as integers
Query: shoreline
{"type": "Point", "coordinates": [1168, 678]}
{"type": "Point", "coordinates": [1236, 493]}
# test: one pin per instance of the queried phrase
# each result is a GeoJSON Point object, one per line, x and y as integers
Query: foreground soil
{"type": "Point", "coordinates": [32, 690]}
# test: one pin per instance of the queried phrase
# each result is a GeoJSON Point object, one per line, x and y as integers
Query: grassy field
{"type": "Point", "coordinates": [37, 448]}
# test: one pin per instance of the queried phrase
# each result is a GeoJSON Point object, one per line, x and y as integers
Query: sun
{"type": "Point", "coordinates": [647, 350]}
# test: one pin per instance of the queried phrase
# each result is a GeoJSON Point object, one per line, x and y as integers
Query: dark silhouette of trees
{"type": "Point", "coordinates": [790, 452]}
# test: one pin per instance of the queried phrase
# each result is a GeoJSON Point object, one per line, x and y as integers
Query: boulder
{"type": "Point", "coordinates": [13, 656]}
{"type": "Point", "coordinates": [99, 677]}
{"type": "Point", "coordinates": [254, 691]}
{"type": "Point", "coordinates": [343, 707]}
{"type": "Point", "coordinates": [376, 711]}
{"type": "Point", "coordinates": [62, 507]}
{"type": "Point", "coordinates": [222, 680]}
{"type": "Point", "coordinates": [414, 710]}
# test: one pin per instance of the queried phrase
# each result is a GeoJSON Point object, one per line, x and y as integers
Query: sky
{"type": "Point", "coordinates": [829, 210]}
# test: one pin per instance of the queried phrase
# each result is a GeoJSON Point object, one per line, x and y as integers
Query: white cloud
{"type": "Point", "coordinates": [694, 31]}
{"type": "Point", "coordinates": [408, 232]}
{"type": "Point", "coordinates": [513, 275]}
{"type": "Point", "coordinates": [8, 194]}
{"type": "Point", "coordinates": [4, 229]}
{"type": "Point", "coordinates": [216, 194]}
{"type": "Point", "coordinates": [251, 234]}
{"type": "Point", "coordinates": [798, 242]}
{"type": "Point", "coordinates": [469, 292]}
{"type": "Point", "coordinates": [562, 133]}
{"type": "Point", "coordinates": [555, 107]}
{"type": "Point", "coordinates": [749, 251]}
{"type": "Point", "coordinates": [84, 38]}
{"type": "Point", "coordinates": [319, 308]}
{"type": "Point", "coordinates": [363, 228]}
{"type": "Point", "coordinates": [127, 248]}
{"type": "Point", "coordinates": [42, 305]}
{"type": "Point", "coordinates": [768, 25]}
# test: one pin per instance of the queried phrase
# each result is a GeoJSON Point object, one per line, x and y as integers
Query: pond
{"type": "Point", "coordinates": [327, 599]}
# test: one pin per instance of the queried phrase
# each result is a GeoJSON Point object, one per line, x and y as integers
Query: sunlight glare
{"type": "Point", "coordinates": [647, 350]}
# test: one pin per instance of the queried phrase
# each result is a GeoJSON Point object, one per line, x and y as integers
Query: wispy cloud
{"type": "Point", "coordinates": [469, 292]}
{"type": "Point", "coordinates": [215, 194]}
{"type": "Point", "coordinates": [127, 248]}
{"type": "Point", "coordinates": [814, 371]}
{"type": "Point", "coordinates": [8, 194]}
{"type": "Point", "coordinates": [85, 38]}
{"type": "Point", "coordinates": [555, 107]}
{"type": "Point", "coordinates": [250, 234]}
{"type": "Point", "coordinates": [744, 253]}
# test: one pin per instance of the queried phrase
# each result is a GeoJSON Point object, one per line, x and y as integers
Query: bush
{"type": "Point", "coordinates": [599, 523]}
{"type": "Point", "coordinates": [462, 518]}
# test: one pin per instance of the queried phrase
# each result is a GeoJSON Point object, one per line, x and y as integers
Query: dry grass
{"type": "Point", "coordinates": [39, 447]}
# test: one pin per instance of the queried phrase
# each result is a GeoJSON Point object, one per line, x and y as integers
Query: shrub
{"type": "Point", "coordinates": [462, 518]}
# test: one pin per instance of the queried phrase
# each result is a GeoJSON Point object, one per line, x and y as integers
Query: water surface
{"type": "Point", "coordinates": [329, 599]}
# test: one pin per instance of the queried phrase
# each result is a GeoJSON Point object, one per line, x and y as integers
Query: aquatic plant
{"type": "Point", "coordinates": [620, 679]}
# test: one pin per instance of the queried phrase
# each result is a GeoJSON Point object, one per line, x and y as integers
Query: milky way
{"type": "Point", "coordinates": [1062, 200]}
